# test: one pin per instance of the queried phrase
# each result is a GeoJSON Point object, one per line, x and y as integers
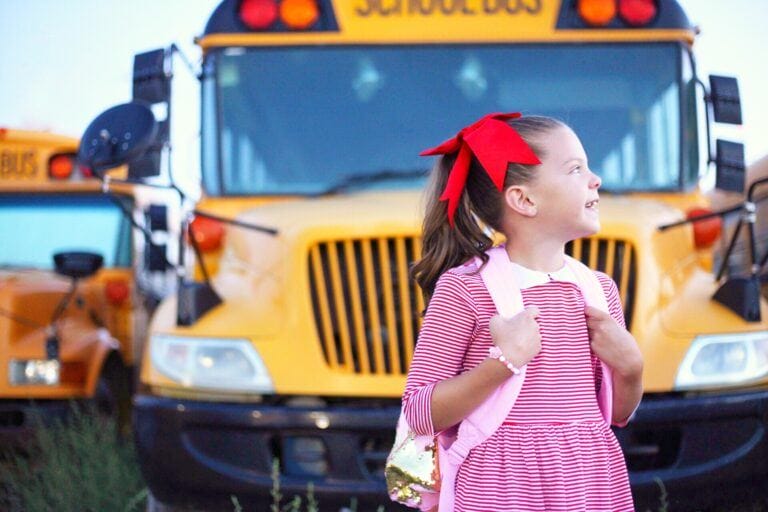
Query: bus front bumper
{"type": "Point", "coordinates": [699, 450]}
{"type": "Point", "coordinates": [703, 450]}
{"type": "Point", "coordinates": [205, 453]}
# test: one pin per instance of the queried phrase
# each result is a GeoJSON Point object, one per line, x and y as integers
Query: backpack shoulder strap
{"type": "Point", "coordinates": [595, 297]}
{"type": "Point", "coordinates": [589, 284]}
{"type": "Point", "coordinates": [501, 283]}
{"type": "Point", "coordinates": [489, 415]}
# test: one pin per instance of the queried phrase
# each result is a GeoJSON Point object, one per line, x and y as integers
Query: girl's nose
{"type": "Point", "coordinates": [595, 181]}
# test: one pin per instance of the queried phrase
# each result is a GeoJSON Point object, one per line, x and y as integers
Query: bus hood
{"type": "Point", "coordinates": [376, 214]}
{"type": "Point", "coordinates": [256, 268]}
{"type": "Point", "coordinates": [28, 299]}
{"type": "Point", "coordinates": [23, 289]}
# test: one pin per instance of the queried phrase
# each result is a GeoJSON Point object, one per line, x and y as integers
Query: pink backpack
{"type": "Point", "coordinates": [454, 445]}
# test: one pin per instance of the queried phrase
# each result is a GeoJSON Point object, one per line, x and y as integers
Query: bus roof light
{"type": "Point", "coordinates": [597, 12]}
{"type": "Point", "coordinates": [638, 13]}
{"type": "Point", "coordinates": [299, 14]}
{"type": "Point", "coordinates": [60, 166]}
{"type": "Point", "coordinates": [258, 14]}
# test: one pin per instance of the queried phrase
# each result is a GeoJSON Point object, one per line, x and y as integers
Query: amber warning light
{"type": "Point", "coordinates": [264, 14]}
{"type": "Point", "coordinates": [635, 13]}
{"type": "Point", "coordinates": [60, 166]}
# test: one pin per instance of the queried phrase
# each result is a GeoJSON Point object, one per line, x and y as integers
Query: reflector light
{"type": "Point", "coordinates": [299, 14]}
{"type": "Point", "coordinates": [707, 231]}
{"type": "Point", "coordinates": [60, 166]}
{"type": "Point", "coordinates": [73, 373]}
{"type": "Point", "coordinates": [637, 12]}
{"type": "Point", "coordinates": [208, 233]}
{"type": "Point", "coordinates": [596, 12]}
{"type": "Point", "coordinates": [116, 291]}
{"type": "Point", "coordinates": [258, 14]}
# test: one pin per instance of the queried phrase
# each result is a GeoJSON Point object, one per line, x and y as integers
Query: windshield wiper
{"type": "Point", "coordinates": [352, 180]}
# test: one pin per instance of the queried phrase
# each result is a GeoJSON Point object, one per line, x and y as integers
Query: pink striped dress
{"type": "Point", "coordinates": [554, 452]}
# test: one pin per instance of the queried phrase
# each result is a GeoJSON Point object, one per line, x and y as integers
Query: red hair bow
{"type": "Point", "coordinates": [494, 143]}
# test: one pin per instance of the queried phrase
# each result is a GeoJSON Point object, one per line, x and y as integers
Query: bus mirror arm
{"type": "Point", "coordinates": [174, 48]}
{"type": "Point", "coordinates": [128, 215]}
{"type": "Point", "coordinates": [708, 112]}
{"type": "Point", "coordinates": [238, 223]}
{"type": "Point", "coordinates": [741, 294]}
{"type": "Point", "coordinates": [748, 216]}
{"type": "Point", "coordinates": [718, 213]}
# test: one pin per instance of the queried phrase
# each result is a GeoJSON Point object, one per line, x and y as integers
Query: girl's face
{"type": "Point", "coordinates": [564, 192]}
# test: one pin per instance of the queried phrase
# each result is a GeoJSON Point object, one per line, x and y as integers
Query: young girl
{"type": "Point", "coordinates": [528, 178]}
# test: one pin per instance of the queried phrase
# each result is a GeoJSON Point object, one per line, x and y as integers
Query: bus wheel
{"type": "Point", "coordinates": [112, 397]}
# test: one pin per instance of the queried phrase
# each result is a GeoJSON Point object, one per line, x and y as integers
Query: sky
{"type": "Point", "coordinates": [62, 62]}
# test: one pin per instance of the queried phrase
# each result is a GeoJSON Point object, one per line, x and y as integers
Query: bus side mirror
{"type": "Point", "coordinates": [725, 98]}
{"type": "Point", "coordinates": [77, 264]}
{"type": "Point", "coordinates": [152, 86]}
{"type": "Point", "coordinates": [155, 253]}
{"type": "Point", "coordinates": [729, 164]}
{"type": "Point", "coordinates": [117, 136]}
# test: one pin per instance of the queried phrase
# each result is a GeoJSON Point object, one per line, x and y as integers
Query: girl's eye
{"type": "Point", "coordinates": [576, 169]}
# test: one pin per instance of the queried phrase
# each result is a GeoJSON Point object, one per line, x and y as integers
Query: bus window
{"type": "Point", "coordinates": [368, 110]}
{"type": "Point", "coordinates": [37, 226]}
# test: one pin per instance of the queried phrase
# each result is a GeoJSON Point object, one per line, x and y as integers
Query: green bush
{"type": "Point", "coordinates": [80, 465]}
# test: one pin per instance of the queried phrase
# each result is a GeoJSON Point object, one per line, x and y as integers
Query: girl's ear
{"type": "Point", "coordinates": [518, 198]}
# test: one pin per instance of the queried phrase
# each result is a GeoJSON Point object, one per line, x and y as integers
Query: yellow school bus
{"type": "Point", "coordinates": [71, 317]}
{"type": "Point", "coordinates": [313, 114]}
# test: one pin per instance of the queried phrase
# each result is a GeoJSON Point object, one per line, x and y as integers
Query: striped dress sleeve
{"type": "Point", "coordinates": [617, 313]}
{"type": "Point", "coordinates": [446, 333]}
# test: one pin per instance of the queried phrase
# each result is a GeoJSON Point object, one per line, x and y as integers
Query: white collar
{"type": "Point", "coordinates": [526, 277]}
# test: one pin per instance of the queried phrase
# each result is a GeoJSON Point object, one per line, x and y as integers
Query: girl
{"type": "Point", "coordinates": [528, 178]}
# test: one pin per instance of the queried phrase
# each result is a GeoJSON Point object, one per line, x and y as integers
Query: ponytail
{"type": "Point", "coordinates": [443, 246]}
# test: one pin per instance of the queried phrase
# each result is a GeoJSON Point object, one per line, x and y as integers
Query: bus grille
{"type": "Point", "coordinates": [368, 312]}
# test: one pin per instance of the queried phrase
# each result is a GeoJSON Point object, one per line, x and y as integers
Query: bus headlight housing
{"type": "Point", "coordinates": [212, 363]}
{"type": "Point", "coordinates": [724, 359]}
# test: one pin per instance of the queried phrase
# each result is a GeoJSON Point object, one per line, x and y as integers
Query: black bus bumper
{"type": "Point", "coordinates": [704, 450]}
{"type": "Point", "coordinates": [204, 453]}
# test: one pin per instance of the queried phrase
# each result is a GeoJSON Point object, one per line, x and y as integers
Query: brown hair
{"type": "Point", "coordinates": [443, 246]}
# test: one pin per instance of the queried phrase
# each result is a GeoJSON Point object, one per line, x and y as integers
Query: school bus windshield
{"type": "Point", "coordinates": [296, 120]}
{"type": "Point", "coordinates": [35, 226]}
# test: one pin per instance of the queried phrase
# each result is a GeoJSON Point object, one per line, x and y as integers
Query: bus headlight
{"type": "Point", "coordinates": [724, 359]}
{"type": "Point", "coordinates": [212, 363]}
{"type": "Point", "coordinates": [29, 372]}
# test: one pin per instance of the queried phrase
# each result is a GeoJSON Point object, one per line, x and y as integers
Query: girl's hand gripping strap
{"type": "Point", "coordinates": [488, 416]}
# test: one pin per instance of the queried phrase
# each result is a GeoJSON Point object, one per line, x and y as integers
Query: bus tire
{"type": "Point", "coordinates": [112, 396]}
